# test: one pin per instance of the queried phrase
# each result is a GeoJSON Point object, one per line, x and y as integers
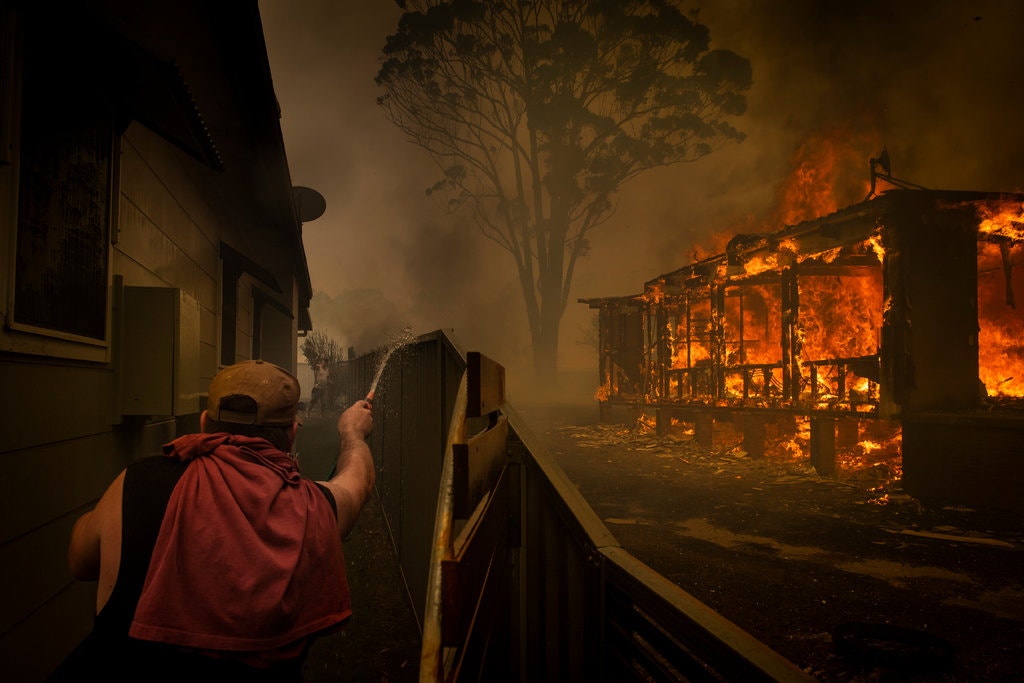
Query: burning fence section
{"type": "Point", "coordinates": [900, 307]}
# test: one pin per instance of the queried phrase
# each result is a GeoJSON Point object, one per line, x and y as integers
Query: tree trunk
{"type": "Point", "coordinates": [545, 346]}
{"type": "Point", "coordinates": [545, 357]}
{"type": "Point", "coordinates": [545, 352]}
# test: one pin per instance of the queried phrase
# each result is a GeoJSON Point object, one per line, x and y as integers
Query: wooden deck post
{"type": "Point", "coordinates": [703, 429]}
{"type": "Point", "coordinates": [848, 434]}
{"type": "Point", "coordinates": [753, 435]}
{"type": "Point", "coordinates": [823, 445]}
{"type": "Point", "coordinates": [662, 421]}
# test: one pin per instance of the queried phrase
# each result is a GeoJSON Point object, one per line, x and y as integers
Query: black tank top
{"type": "Point", "coordinates": [109, 651]}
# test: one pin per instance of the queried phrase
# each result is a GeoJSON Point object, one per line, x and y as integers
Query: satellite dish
{"type": "Point", "coordinates": [309, 204]}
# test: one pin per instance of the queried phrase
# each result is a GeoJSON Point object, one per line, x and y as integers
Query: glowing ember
{"type": "Point", "coordinates": [880, 450]}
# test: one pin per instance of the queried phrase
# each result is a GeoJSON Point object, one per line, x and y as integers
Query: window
{"type": "Point", "coordinates": [273, 332]}
{"type": "Point", "coordinates": [240, 274]}
{"type": "Point", "coordinates": [66, 181]}
{"type": "Point", "coordinates": [63, 221]}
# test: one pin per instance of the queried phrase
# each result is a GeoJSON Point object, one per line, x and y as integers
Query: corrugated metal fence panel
{"type": "Point", "coordinates": [426, 411]}
{"type": "Point", "coordinates": [561, 607]}
{"type": "Point", "coordinates": [388, 416]}
{"type": "Point", "coordinates": [412, 408]}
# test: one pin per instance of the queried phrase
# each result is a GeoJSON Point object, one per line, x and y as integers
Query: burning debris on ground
{"type": "Point", "coordinates": [868, 471]}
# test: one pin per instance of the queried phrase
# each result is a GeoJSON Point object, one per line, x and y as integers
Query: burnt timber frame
{"type": "Point", "coordinates": [922, 244]}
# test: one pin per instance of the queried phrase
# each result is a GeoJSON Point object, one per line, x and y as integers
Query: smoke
{"type": "Point", "coordinates": [936, 83]}
{"type": "Point", "coordinates": [360, 319]}
{"type": "Point", "coordinates": [465, 283]}
{"type": "Point", "coordinates": [454, 289]}
{"type": "Point", "coordinates": [931, 82]}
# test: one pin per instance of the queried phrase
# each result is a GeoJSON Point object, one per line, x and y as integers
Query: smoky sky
{"type": "Point", "coordinates": [935, 82]}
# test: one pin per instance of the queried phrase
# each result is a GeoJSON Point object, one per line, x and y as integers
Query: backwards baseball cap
{"type": "Point", "coordinates": [254, 392]}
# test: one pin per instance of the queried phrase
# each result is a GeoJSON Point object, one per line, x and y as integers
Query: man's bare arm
{"type": "Point", "coordinates": [352, 483]}
{"type": "Point", "coordinates": [84, 549]}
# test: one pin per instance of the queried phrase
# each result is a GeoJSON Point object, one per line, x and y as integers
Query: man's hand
{"type": "Point", "coordinates": [356, 421]}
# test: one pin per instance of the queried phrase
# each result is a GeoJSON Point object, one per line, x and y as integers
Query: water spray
{"type": "Point", "coordinates": [404, 337]}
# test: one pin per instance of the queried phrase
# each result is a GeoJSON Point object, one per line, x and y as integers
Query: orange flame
{"type": "Point", "coordinates": [822, 165]}
{"type": "Point", "coordinates": [841, 317]}
{"type": "Point", "coordinates": [654, 293]}
{"type": "Point", "coordinates": [1000, 320]}
{"type": "Point", "coordinates": [1002, 219]}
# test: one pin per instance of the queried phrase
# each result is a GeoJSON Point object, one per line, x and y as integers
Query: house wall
{"type": "Point", "coordinates": [167, 234]}
{"type": "Point", "coordinates": [62, 436]}
{"type": "Point", "coordinates": [243, 318]}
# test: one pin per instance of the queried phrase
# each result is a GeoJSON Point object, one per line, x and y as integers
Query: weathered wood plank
{"type": "Point", "coordinates": [463, 575]}
{"type": "Point", "coordinates": [476, 466]}
{"type": "Point", "coordinates": [431, 664]}
{"type": "Point", "coordinates": [486, 385]}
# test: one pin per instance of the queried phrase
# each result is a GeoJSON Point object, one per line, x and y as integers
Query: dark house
{"type": "Point", "coordinates": [151, 236]}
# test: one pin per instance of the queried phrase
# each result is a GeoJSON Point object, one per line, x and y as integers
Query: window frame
{"type": "Point", "coordinates": [22, 337]}
{"type": "Point", "coordinates": [110, 226]}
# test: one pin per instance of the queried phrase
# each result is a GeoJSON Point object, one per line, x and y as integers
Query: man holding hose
{"type": "Point", "coordinates": [219, 558]}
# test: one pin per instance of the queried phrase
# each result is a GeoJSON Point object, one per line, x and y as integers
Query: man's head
{"type": "Point", "coordinates": [254, 398]}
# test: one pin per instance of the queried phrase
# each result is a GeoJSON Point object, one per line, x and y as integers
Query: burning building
{"type": "Point", "coordinates": [897, 314]}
